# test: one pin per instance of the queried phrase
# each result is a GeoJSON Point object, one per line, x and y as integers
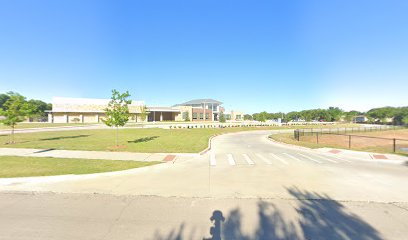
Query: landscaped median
{"type": "Point", "coordinates": [12, 166]}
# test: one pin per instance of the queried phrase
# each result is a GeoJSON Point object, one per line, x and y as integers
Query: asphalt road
{"type": "Point", "coordinates": [262, 190]}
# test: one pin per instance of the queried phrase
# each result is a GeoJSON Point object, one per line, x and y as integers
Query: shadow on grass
{"type": "Point", "coordinates": [64, 137]}
{"type": "Point", "coordinates": [318, 217]}
{"type": "Point", "coordinates": [145, 139]}
{"type": "Point", "coordinates": [45, 150]}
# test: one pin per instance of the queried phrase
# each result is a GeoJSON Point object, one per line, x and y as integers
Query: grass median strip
{"type": "Point", "coordinates": [11, 166]}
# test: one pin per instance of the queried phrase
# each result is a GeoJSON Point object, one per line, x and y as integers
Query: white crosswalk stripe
{"type": "Point", "coordinates": [213, 161]}
{"type": "Point", "coordinates": [231, 159]}
{"type": "Point", "coordinates": [287, 154]}
{"type": "Point", "coordinates": [325, 158]}
{"type": "Point", "coordinates": [267, 161]}
{"type": "Point", "coordinates": [307, 157]}
{"type": "Point", "coordinates": [279, 158]}
{"type": "Point", "coordinates": [249, 161]}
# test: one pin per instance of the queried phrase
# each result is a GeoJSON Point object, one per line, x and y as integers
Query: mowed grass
{"type": "Point", "coordinates": [42, 125]}
{"type": "Point", "coordinates": [152, 140]}
{"type": "Point", "coordinates": [11, 167]}
{"type": "Point", "coordinates": [357, 143]}
{"type": "Point", "coordinates": [149, 140]}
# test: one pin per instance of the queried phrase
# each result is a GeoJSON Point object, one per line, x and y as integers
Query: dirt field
{"type": "Point", "coordinates": [362, 141]}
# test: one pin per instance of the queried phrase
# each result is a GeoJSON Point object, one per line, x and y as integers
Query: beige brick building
{"type": "Point", "coordinates": [86, 110]}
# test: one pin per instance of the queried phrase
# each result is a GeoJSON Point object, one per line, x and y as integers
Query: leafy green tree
{"type": "Point", "coordinates": [14, 111]}
{"type": "Point", "coordinates": [400, 114]}
{"type": "Point", "coordinates": [39, 107]}
{"type": "Point", "coordinates": [222, 117]}
{"type": "Point", "coordinates": [405, 120]}
{"type": "Point", "coordinates": [381, 114]}
{"type": "Point", "coordinates": [334, 113]}
{"type": "Point", "coordinates": [117, 112]}
{"type": "Point", "coordinates": [351, 115]}
{"type": "Point", "coordinates": [186, 116]}
{"type": "Point", "coordinates": [143, 113]}
{"type": "Point", "coordinates": [248, 117]}
{"type": "Point", "coordinates": [3, 99]}
{"type": "Point", "coordinates": [261, 117]}
{"type": "Point", "coordinates": [76, 120]}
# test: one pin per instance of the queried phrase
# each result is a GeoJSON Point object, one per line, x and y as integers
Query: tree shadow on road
{"type": "Point", "coordinates": [318, 217]}
{"type": "Point", "coordinates": [324, 218]}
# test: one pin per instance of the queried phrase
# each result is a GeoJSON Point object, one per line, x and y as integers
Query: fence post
{"type": "Point", "coordinates": [349, 141]}
{"type": "Point", "coordinates": [394, 144]}
{"type": "Point", "coordinates": [317, 138]}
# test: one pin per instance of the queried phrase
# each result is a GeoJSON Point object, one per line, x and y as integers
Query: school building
{"type": "Point", "coordinates": [87, 110]}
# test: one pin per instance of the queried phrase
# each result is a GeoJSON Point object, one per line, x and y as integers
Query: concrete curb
{"type": "Point", "coordinates": [209, 144]}
{"type": "Point", "coordinates": [288, 145]}
{"type": "Point", "coordinates": [318, 150]}
{"type": "Point", "coordinates": [84, 154]}
{"type": "Point", "coordinates": [71, 177]}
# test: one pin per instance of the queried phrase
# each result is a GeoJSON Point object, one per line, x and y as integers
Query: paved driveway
{"type": "Point", "coordinates": [264, 190]}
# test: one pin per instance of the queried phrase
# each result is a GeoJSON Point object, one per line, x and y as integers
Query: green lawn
{"type": "Point", "coordinates": [41, 125]}
{"type": "Point", "coordinates": [149, 140]}
{"type": "Point", "coordinates": [35, 166]}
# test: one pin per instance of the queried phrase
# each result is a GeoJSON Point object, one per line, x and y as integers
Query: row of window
{"type": "Point", "coordinates": [207, 116]}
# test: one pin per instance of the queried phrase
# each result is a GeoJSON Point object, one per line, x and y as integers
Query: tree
{"type": "Point", "coordinates": [405, 120]}
{"type": "Point", "coordinates": [117, 112]}
{"type": "Point", "coordinates": [335, 114]}
{"type": "Point", "coordinates": [143, 113]}
{"type": "Point", "coordinates": [262, 117]}
{"type": "Point", "coordinates": [3, 99]}
{"type": "Point", "coordinates": [381, 114]}
{"type": "Point", "coordinates": [15, 110]}
{"type": "Point", "coordinates": [222, 118]}
{"type": "Point", "coordinates": [76, 120]}
{"type": "Point", "coordinates": [351, 115]}
{"type": "Point", "coordinates": [400, 115]}
{"type": "Point", "coordinates": [248, 117]}
{"type": "Point", "coordinates": [186, 116]}
{"type": "Point", "coordinates": [39, 107]}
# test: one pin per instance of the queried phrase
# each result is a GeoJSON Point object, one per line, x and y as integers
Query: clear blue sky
{"type": "Point", "coordinates": [252, 55]}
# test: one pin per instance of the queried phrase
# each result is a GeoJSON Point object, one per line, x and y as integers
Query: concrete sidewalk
{"type": "Point", "coordinates": [105, 155]}
{"type": "Point", "coordinates": [369, 156]}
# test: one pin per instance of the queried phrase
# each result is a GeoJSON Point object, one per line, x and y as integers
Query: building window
{"type": "Point", "coordinates": [207, 116]}
{"type": "Point", "coordinates": [238, 117]}
{"type": "Point", "coordinates": [201, 116]}
{"type": "Point", "coordinates": [194, 115]}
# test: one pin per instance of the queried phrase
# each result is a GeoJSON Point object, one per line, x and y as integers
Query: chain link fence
{"type": "Point", "coordinates": [358, 138]}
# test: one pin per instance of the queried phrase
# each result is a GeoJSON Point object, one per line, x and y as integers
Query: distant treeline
{"type": "Point", "coordinates": [395, 115]}
{"type": "Point", "coordinates": [37, 107]}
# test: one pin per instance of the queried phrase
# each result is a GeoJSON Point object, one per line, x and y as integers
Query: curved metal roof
{"type": "Point", "coordinates": [200, 101]}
